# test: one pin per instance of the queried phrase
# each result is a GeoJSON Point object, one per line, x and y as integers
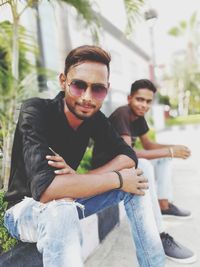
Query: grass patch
{"type": "Point", "coordinates": [183, 120]}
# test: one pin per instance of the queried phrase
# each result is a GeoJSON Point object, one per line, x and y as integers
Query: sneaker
{"type": "Point", "coordinates": [174, 211]}
{"type": "Point", "coordinates": [175, 251]}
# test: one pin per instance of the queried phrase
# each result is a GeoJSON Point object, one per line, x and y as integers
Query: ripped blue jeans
{"type": "Point", "coordinates": [56, 229]}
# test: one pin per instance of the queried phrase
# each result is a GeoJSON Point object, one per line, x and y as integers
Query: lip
{"type": "Point", "coordinates": [85, 108]}
{"type": "Point", "coordinates": [142, 112]}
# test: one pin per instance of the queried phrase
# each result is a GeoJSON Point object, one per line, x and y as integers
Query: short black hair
{"type": "Point", "coordinates": [141, 84]}
{"type": "Point", "coordinates": [87, 53]}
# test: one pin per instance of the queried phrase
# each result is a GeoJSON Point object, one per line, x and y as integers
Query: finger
{"type": "Point", "coordinates": [55, 158]}
{"type": "Point", "coordinates": [140, 192]}
{"type": "Point", "coordinates": [63, 171]}
{"type": "Point", "coordinates": [143, 186]}
{"type": "Point", "coordinates": [142, 179]}
{"type": "Point", "coordinates": [55, 153]}
{"type": "Point", "coordinates": [139, 172]}
{"type": "Point", "coordinates": [60, 165]}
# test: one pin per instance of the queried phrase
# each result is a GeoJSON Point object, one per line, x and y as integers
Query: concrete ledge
{"type": "Point", "coordinates": [22, 255]}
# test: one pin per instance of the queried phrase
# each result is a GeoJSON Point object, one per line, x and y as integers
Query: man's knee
{"type": "Point", "coordinates": [147, 168]}
{"type": "Point", "coordinates": [59, 223]}
{"type": "Point", "coordinates": [60, 211]}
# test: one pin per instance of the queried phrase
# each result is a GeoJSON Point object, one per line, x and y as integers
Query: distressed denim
{"type": "Point", "coordinates": [56, 229]}
{"type": "Point", "coordinates": [148, 171]}
{"type": "Point", "coordinates": [163, 177]}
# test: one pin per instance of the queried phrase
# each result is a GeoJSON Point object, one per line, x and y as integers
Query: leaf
{"type": "Point", "coordinates": [132, 8]}
{"type": "Point", "coordinates": [174, 32]}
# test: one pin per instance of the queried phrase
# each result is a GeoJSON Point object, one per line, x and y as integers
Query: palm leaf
{"type": "Point", "coordinates": [132, 8]}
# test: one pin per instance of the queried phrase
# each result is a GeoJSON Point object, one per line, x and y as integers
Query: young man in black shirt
{"type": "Point", "coordinates": [130, 123]}
{"type": "Point", "coordinates": [47, 197]}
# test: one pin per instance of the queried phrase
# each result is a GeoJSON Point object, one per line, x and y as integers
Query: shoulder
{"type": "Point", "coordinates": [35, 102]}
{"type": "Point", "coordinates": [37, 109]}
{"type": "Point", "coordinates": [121, 115]}
{"type": "Point", "coordinates": [120, 111]}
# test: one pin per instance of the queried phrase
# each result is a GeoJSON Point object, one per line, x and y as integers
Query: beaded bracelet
{"type": "Point", "coordinates": [120, 179]}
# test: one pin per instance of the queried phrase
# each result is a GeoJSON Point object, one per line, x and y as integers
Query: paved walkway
{"type": "Point", "coordinates": [117, 248]}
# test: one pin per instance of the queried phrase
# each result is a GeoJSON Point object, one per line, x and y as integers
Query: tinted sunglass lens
{"type": "Point", "coordinates": [99, 91]}
{"type": "Point", "coordinates": [77, 88]}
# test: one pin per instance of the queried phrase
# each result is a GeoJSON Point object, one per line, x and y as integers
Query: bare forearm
{"type": "Point", "coordinates": [154, 153]}
{"type": "Point", "coordinates": [163, 151]}
{"type": "Point", "coordinates": [152, 146]}
{"type": "Point", "coordinates": [118, 163]}
{"type": "Point", "coordinates": [152, 150]}
{"type": "Point", "coordinates": [79, 185]}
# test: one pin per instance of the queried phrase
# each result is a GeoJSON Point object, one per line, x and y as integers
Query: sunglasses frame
{"type": "Point", "coordinates": [88, 85]}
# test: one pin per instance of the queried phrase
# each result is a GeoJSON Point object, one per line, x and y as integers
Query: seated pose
{"type": "Point", "coordinates": [130, 123]}
{"type": "Point", "coordinates": [45, 205]}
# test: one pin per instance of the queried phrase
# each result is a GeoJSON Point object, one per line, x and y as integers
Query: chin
{"type": "Point", "coordinates": [140, 114]}
{"type": "Point", "coordinates": [83, 116]}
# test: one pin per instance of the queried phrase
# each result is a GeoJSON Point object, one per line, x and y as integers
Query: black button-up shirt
{"type": "Point", "coordinates": [43, 124]}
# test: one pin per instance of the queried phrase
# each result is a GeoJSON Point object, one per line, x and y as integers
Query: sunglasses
{"type": "Point", "coordinates": [79, 87]}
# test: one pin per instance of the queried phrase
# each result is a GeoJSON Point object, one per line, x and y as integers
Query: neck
{"type": "Point", "coordinates": [73, 121]}
{"type": "Point", "coordinates": [133, 115]}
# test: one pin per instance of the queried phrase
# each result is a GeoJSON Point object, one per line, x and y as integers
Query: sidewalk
{"type": "Point", "coordinates": [117, 249]}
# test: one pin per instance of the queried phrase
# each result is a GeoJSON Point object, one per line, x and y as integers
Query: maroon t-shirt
{"type": "Point", "coordinates": [125, 123]}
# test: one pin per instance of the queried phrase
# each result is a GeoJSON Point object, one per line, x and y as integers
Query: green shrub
{"type": "Point", "coordinates": [6, 241]}
{"type": "Point", "coordinates": [151, 134]}
{"type": "Point", "coordinates": [183, 120]}
{"type": "Point", "coordinates": [86, 161]}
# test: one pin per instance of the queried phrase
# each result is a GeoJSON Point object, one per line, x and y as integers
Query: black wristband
{"type": "Point", "coordinates": [120, 179]}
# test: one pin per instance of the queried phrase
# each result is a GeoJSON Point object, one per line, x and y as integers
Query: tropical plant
{"type": "Point", "coordinates": [132, 8]}
{"type": "Point", "coordinates": [6, 241]}
{"type": "Point", "coordinates": [185, 66]}
{"type": "Point", "coordinates": [12, 92]}
{"type": "Point", "coordinates": [11, 65]}
{"type": "Point", "coordinates": [14, 83]}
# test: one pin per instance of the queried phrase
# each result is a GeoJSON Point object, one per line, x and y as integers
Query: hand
{"type": "Point", "coordinates": [133, 181]}
{"type": "Point", "coordinates": [180, 151]}
{"type": "Point", "coordinates": [58, 162]}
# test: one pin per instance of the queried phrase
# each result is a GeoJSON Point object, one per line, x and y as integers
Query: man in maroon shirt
{"type": "Point", "coordinates": [130, 123]}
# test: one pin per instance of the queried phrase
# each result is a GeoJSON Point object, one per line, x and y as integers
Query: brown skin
{"type": "Point", "coordinates": [70, 185]}
{"type": "Point", "coordinates": [140, 103]}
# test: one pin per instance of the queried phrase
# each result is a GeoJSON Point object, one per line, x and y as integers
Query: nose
{"type": "Point", "coordinates": [145, 104]}
{"type": "Point", "coordinates": [87, 96]}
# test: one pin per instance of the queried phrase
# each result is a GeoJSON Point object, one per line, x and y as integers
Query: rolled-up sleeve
{"type": "Point", "coordinates": [33, 130]}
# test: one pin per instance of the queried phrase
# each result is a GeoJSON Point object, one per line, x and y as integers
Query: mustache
{"type": "Point", "coordinates": [85, 104]}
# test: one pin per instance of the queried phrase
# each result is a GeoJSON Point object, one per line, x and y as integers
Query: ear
{"type": "Point", "coordinates": [62, 79]}
{"type": "Point", "coordinates": [129, 97]}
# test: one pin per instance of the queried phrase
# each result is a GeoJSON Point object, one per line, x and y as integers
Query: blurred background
{"type": "Point", "coordinates": [158, 40]}
{"type": "Point", "coordinates": [153, 39]}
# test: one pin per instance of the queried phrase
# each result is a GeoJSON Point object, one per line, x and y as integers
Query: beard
{"type": "Point", "coordinates": [79, 116]}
